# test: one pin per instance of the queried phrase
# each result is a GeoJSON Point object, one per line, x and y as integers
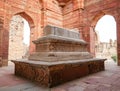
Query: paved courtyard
{"type": "Point", "coordinates": [108, 80]}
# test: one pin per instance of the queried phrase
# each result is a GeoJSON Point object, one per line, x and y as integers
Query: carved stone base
{"type": "Point", "coordinates": [54, 73]}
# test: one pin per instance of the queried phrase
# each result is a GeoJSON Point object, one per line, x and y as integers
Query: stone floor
{"type": "Point", "coordinates": [108, 80]}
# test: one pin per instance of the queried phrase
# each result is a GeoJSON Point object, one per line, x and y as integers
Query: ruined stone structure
{"type": "Point", "coordinates": [106, 50]}
{"type": "Point", "coordinates": [80, 14]}
{"type": "Point", "coordinates": [60, 56]}
{"type": "Point", "coordinates": [17, 48]}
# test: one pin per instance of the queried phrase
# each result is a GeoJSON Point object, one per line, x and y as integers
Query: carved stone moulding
{"type": "Point", "coordinates": [59, 56]}
{"type": "Point", "coordinates": [58, 44]}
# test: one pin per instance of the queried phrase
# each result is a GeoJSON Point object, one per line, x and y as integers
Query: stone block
{"type": "Point", "coordinates": [50, 74]}
{"type": "Point", "coordinates": [57, 31]}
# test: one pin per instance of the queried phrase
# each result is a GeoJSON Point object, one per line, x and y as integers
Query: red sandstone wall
{"type": "Point", "coordinates": [1, 31]}
{"type": "Point", "coordinates": [28, 9]}
{"type": "Point", "coordinates": [73, 15]}
{"type": "Point", "coordinates": [94, 10]}
{"type": "Point", "coordinates": [54, 13]}
{"type": "Point", "coordinates": [70, 16]}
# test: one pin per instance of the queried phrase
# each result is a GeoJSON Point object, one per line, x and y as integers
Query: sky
{"type": "Point", "coordinates": [106, 27]}
{"type": "Point", "coordinates": [26, 36]}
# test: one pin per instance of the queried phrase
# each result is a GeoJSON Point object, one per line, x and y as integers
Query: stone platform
{"type": "Point", "coordinates": [50, 74]}
{"type": "Point", "coordinates": [60, 56]}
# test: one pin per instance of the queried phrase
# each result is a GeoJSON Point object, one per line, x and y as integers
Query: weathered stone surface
{"type": "Point", "coordinates": [60, 56]}
{"type": "Point", "coordinates": [51, 74]}
{"type": "Point", "coordinates": [56, 46]}
{"type": "Point", "coordinates": [58, 59]}
{"type": "Point", "coordinates": [59, 44]}
{"type": "Point", "coordinates": [57, 31]}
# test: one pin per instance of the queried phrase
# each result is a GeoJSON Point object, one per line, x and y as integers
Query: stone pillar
{"type": "Point", "coordinates": [32, 37]}
{"type": "Point", "coordinates": [3, 37]}
{"type": "Point", "coordinates": [4, 33]}
{"type": "Point", "coordinates": [1, 29]}
{"type": "Point", "coordinates": [89, 36]}
{"type": "Point", "coordinates": [86, 36]}
{"type": "Point", "coordinates": [92, 41]}
{"type": "Point", "coordinates": [118, 39]}
{"type": "Point", "coordinates": [43, 14]}
{"type": "Point", "coordinates": [4, 46]}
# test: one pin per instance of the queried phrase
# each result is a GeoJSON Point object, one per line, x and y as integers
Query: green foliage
{"type": "Point", "coordinates": [114, 58]}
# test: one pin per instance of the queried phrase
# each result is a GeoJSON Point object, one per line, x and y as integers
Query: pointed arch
{"type": "Point", "coordinates": [96, 18]}
{"type": "Point", "coordinates": [28, 18]}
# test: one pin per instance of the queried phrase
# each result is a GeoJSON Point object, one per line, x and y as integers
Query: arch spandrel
{"type": "Point", "coordinates": [27, 17]}
{"type": "Point", "coordinates": [96, 18]}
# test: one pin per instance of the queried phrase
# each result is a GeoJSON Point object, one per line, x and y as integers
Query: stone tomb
{"type": "Point", "coordinates": [60, 56]}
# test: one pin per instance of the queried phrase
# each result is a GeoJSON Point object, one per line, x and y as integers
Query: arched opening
{"type": "Point", "coordinates": [19, 38]}
{"type": "Point", "coordinates": [106, 44]}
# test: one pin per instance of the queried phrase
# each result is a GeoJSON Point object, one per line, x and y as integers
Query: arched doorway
{"type": "Point", "coordinates": [106, 45]}
{"type": "Point", "coordinates": [5, 37]}
{"type": "Point", "coordinates": [19, 38]}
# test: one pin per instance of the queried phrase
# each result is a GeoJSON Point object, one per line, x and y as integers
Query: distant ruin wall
{"type": "Point", "coordinates": [106, 50]}
{"type": "Point", "coordinates": [17, 49]}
